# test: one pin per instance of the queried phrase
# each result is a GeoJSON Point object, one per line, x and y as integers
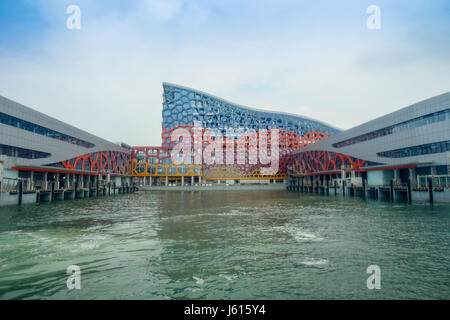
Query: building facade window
{"type": "Point", "coordinates": [6, 119]}
{"type": "Point", "coordinates": [183, 169]}
{"type": "Point", "coordinates": [407, 125]}
{"type": "Point", "coordinates": [424, 149]}
{"type": "Point", "coordinates": [161, 170]}
{"type": "Point", "coordinates": [153, 160]}
{"type": "Point", "coordinates": [166, 161]}
{"type": "Point", "coordinates": [17, 152]}
{"type": "Point", "coordinates": [172, 170]}
{"type": "Point", "coordinates": [140, 157]}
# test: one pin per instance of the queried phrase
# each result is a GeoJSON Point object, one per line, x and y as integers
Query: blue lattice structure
{"type": "Point", "coordinates": [183, 106]}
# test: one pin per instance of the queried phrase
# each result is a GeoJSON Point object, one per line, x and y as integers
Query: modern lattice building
{"type": "Point", "coordinates": [185, 108]}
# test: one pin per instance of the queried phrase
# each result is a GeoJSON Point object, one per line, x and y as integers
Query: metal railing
{"type": "Point", "coordinates": [439, 181]}
{"type": "Point", "coordinates": [9, 185]}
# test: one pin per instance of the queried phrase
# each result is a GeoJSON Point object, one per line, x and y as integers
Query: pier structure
{"type": "Point", "coordinates": [43, 159]}
{"type": "Point", "coordinates": [350, 183]}
{"type": "Point", "coordinates": [43, 186]}
{"type": "Point", "coordinates": [403, 155]}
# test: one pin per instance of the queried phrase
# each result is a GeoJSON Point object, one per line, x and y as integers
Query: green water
{"type": "Point", "coordinates": [224, 245]}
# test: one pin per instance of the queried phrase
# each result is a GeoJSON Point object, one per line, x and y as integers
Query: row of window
{"type": "Point", "coordinates": [429, 148]}
{"type": "Point", "coordinates": [410, 124]}
{"type": "Point", "coordinates": [17, 152]}
{"type": "Point", "coordinates": [35, 128]}
{"type": "Point", "coordinates": [172, 170]}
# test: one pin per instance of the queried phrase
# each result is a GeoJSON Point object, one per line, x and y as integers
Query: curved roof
{"type": "Point", "coordinates": [277, 113]}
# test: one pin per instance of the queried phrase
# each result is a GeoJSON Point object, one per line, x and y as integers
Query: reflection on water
{"type": "Point", "coordinates": [224, 245]}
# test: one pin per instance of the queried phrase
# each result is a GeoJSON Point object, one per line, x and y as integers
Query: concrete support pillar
{"type": "Point", "coordinates": [45, 182]}
{"type": "Point", "coordinates": [150, 181]}
{"type": "Point", "coordinates": [20, 185]}
{"type": "Point", "coordinates": [31, 184]}
{"type": "Point", "coordinates": [182, 181]}
{"type": "Point", "coordinates": [57, 180]}
{"type": "Point", "coordinates": [412, 176]}
{"type": "Point", "coordinates": [192, 180]}
{"type": "Point", "coordinates": [436, 181]}
{"type": "Point", "coordinates": [391, 190]}
{"type": "Point", "coordinates": [167, 181]}
{"type": "Point", "coordinates": [433, 170]}
{"type": "Point", "coordinates": [199, 180]}
{"type": "Point", "coordinates": [409, 193]}
{"type": "Point", "coordinates": [28, 184]}
{"type": "Point", "coordinates": [397, 176]}
{"type": "Point", "coordinates": [1, 175]}
{"type": "Point", "coordinates": [430, 189]}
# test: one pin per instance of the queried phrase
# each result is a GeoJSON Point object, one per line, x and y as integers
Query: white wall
{"type": "Point", "coordinates": [374, 178]}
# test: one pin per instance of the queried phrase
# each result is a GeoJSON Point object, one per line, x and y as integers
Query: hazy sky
{"type": "Point", "coordinates": [313, 58]}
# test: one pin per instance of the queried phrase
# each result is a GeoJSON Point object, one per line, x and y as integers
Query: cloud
{"type": "Point", "coordinates": [163, 10]}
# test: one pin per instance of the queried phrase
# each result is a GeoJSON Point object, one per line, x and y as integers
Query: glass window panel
{"type": "Point", "coordinates": [413, 123]}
